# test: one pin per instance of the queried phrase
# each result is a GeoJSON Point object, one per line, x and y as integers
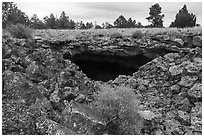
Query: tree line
{"type": "Point", "coordinates": [12, 15]}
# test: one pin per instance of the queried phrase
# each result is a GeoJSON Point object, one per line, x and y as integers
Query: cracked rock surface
{"type": "Point", "coordinates": [44, 94]}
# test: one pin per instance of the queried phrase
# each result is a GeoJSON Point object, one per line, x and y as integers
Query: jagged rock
{"type": "Point", "coordinates": [188, 39]}
{"type": "Point", "coordinates": [197, 41]}
{"type": "Point", "coordinates": [19, 118]}
{"type": "Point", "coordinates": [147, 114]}
{"type": "Point", "coordinates": [184, 105]}
{"type": "Point", "coordinates": [172, 127]}
{"type": "Point", "coordinates": [187, 81]}
{"type": "Point", "coordinates": [17, 87]}
{"type": "Point", "coordinates": [198, 61]}
{"type": "Point", "coordinates": [48, 127]}
{"type": "Point", "coordinates": [34, 71]}
{"type": "Point", "coordinates": [142, 88]}
{"type": "Point", "coordinates": [193, 68]}
{"type": "Point", "coordinates": [196, 91]}
{"type": "Point", "coordinates": [178, 66]}
{"type": "Point", "coordinates": [45, 46]}
{"type": "Point", "coordinates": [37, 38]}
{"type": "Point", "coordinates": [7, 64]}
{"type": "Point", "coordinates": [196, 118]}
{"type": "Point", "coordinates": [143, 82]}
{"type": "Point", "coordinates": [6, 51]}
{"type": "Point", "coordinates": [180, 41]}
{"type": "Point", "coordinates": [175, 89]}
{"type": "Point", "coordinates": [184, 118]}
{"type": "Point", "coordinates": [175, 70]}
{"type": "Point", "coordinates": [82, 119]}
{"type": "Point", "coordinates": [80, 98]}
{"type": "Point", "coordinates": [13, 80]}
{"type": "Point", "coordinates": [44, 93]}
{"type": "Point", "coordinates": [37, 72]}
{"type": "Point", "coordinates": [16, 120]}
{"type": "Point", "coordinates": [171, 57]}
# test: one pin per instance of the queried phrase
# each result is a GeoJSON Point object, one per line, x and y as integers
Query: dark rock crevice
{"type": "Point", "coordinates": [107, 67]}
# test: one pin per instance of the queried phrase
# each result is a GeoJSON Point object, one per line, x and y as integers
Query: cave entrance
{"type": "Point", "coordinates": [107, 67]}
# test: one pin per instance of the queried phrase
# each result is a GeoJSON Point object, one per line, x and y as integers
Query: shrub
{"type": "Point", "coordinates": [119, 109]}
{"type": "Point", "coordinates": [137, 34]}
{"type": "Point", "coordinates": [116, 35]}
{"type": "Point", "coordinates": [20, 31]}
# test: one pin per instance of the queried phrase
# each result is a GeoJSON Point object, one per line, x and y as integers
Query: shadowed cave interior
{"type": "Point", "coordinates": [107, 67]}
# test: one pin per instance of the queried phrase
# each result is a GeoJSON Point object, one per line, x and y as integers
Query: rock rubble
{"type": "Point", "coordinates": [45, 94]}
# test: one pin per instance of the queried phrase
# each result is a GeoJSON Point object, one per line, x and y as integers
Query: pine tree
{"type": "Point", "coordinates": [12, 15]}
{"type": "Point", "coordinates": [155, 16]}
{"type": "Point", "coordinates": [107, 25]}
{"type": "Point", "coordinates": [89, 25]}
{"type": "Point", "coordinates": [131, 23]}
{"type": "Point", "coordinates": [36, 23]}
{"type": "Point", "coordinates": [50, 22]}
{"type": "Point", "coordinates": [63, 21]}
{"type": "Point", "coordinates": [184, 19]}
{"type": "Point", "coordinates": [139, 25]}
{"type": "Point", "coordinates": [120, 22]}
{"type": "Point", "coordinates": [72, 24]}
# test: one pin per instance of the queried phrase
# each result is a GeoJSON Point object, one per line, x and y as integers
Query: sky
{"type": "Point", "coordinates": [109, 11]}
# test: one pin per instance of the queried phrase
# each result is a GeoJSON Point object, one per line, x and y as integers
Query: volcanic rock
{"type": "Point", "coordinates": [44, 92]}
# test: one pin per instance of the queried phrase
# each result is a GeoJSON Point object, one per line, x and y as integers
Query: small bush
{"type": "Point", "coordinates": [20, 31]}
{"type": "Point", "coordinates": [137, 34]}
{"type": "Point", "coordinates": [116, 35]}
{"type": "Point", "coordinates": [119, 109]}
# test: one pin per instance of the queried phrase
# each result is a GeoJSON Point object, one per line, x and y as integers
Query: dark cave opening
{"type": "Point", "coordinates": [103, 71]}
{"type": "Point", "coordinates": [107, 67]}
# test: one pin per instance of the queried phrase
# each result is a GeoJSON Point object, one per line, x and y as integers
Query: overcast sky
{"type": "Point", "coordinates": [109, 11]}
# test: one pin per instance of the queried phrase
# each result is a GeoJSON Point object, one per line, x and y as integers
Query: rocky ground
{"type": "Point", "coordinates": [43, 92]}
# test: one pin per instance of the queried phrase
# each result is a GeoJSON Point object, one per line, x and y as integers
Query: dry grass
{"type": "Point", "coordinates": [52, 34]}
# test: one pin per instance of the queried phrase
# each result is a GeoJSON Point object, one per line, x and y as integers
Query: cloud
{"type": "Point", "coordinates": [109, 11]}
{"type": "Point", "coordinates": [115, 6]}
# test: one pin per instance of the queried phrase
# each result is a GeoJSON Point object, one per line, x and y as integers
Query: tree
{"type": "Point", "coordinates": [131, 23]}
{"type": "Point", "coordinates": [89, 25]}
{"type": "Point", "coordinates": [155, 16]}
{"type": "Point", "coordinates": [12, 15]}
{"type": "Point", "coordinates": [107, 25]}
{"type": "Point", "coordinates": [98, 27]}
{"type": "Point", "coordinates": [103, 25]}
{"type": "Point", "coordinates": [120, 22]}
{"type": "Point", "coordinates": [184, 19]}
{"type": "Point", "coordinates": [72, 24]}
{"type": "Point", "coordinates": [80, 25]}
{"type": "Point", "coordinates": [63, 21]}
{"type": "Point", "coordinates": [50, 22]}
{"type": "Point", "coordinates": [36, 23]}
{"type": "Point", "coordinates": [139, 25]}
